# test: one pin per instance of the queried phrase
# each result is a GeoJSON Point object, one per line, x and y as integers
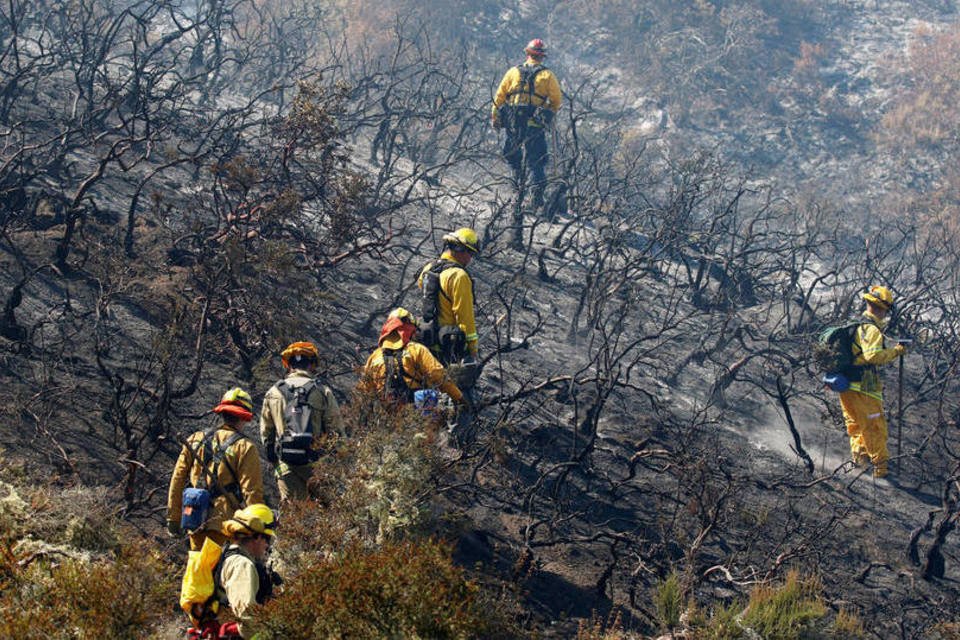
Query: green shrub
{"type": "Point", "coordinates": [723, 624]}
{"type": "Point", "coordinates": [403, 590]}
{"type": "Point", "coordinates": [668, 600]}
{"type": "Point", "coordinates": [785, 612]}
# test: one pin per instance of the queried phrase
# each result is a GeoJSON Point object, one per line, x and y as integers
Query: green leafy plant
{"type": "Point", "coordinates": [668, 600]}
{"type": "Point", "coordinates": [785, 612]}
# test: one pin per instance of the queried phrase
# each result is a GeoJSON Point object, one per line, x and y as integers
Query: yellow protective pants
{"type": "Point", "coordinates": [866, 425]}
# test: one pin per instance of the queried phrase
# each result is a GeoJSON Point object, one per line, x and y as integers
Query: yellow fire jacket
{"type": "Point", "coordinates": [868, 344]}
{"type": "Point", "coordinates": [546, 89]}
{"type": "Point", "coordinates": [324, 418]}
{"type": "Point", "coordinates": [422, 369]}
{"type": "Point", "coordinates": [242, 457]}
{"type": "Point", "coordinates": [456, 300]}
{"type": "Point", "coordinates": [240, 582]}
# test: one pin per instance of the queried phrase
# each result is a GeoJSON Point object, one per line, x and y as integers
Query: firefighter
{"type": "Point", "coordinates": [400, 366]}
{"type": "Point", "coordinates": [862, 403]}
{"type": "Point", "coordinates": [449, 326]}
{"type": "Point", "coordinates": [525, 105]}
{"type": "Point", "coordinates": [296, 410]}
{"type": "Point", "coordinates": [243, 578]}
{"type": "Point", "coordinates": [221, 463]}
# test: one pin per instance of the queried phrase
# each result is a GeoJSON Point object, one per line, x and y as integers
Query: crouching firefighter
{"type": "Point", "coordinates": [525, 104]}
{"type": "Point", "coordinates": [400, 366]}
{"type": "Point", "coordinates": [223, 467]}
{"type": "Point", "coordinates": [235, 575]}
{"type": "Point", "coordinates": [296, 411]}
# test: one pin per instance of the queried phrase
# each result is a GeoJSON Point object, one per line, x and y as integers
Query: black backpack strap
{"type": "Point", "coordinates": [219, 593]}
{"type": "Point", "coordinates": [432, 289]}
{"type": "Point", "coordinates": [210, 463]}
{"type": "Point", "coordinates": [528, 80]}
{"type": "Point", "coordinates": [302, 397]}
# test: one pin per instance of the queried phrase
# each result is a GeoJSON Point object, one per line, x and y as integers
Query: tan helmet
{"type": "Point", "coordinates": [880, 296]}
{"type": "Point", "coordinates": [465, 238]}
{"type": "Point", "coordinates": [306, 349]}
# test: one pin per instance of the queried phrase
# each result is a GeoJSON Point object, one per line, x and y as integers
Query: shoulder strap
{"type": "Point", "coordinates": [528, 80]}
{"type": "Point", "coordinates": [213, 457]}
{"type": "Point", "coordinates": [432, 289]}
{"type": "Point", "coordinates": [393, 359]}
{"type": "Point", "coordinates": [218, 591]}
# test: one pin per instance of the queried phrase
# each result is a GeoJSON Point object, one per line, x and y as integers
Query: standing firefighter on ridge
{"type": "Point", "coordinates": [862, 403]}
{"type": "Point", "coordinates": [526, 102]}
{"type": "Point", "coordinates": [295, 411]}
{"type": "Point", "coordinates": [223, 467]}
{"type": "Point", "coordinates": [449, 327]}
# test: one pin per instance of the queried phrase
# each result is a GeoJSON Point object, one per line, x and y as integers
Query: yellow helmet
{"type": "Point", "coordinates": [404, 315]}
{"type": "Point", "coordinates": [465, 238]}
{"type": "Point", "coordinates": [880, 296]}
{"type": "Point", "coordinates": [257, 518]}
{"type": "Point", "coordinates": [236, 402]}
{"type": "Point", "coordinates": [307, 349]}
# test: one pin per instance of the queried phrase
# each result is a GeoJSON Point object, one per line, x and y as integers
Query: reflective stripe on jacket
{"type": "Point", "coordinates": [871, 353]}
{"type": "Point", "coordinates": [422, 370]}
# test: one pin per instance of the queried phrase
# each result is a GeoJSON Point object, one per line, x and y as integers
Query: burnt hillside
{"type": "Point", "coordinates": [187, 187]}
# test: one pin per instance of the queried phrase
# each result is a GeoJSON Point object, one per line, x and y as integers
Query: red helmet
{"type": "Point", "coordinates": [536, 49]}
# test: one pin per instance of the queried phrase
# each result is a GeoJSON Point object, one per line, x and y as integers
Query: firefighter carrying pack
{"type": "Point", "coordinates": [833, 354]}
{"type": "Point", "coordinates": [395, 385]}
{"type": "Point", "coordinates": [516, 115]}
{"type": "Point", "coordinates": [201, 589]}
{"type": "Point", "coordinates": [295, 446]}
{"type": "Point", "coordinates": [429, 330]}
{"type": "Point", "coordinates": [197, 501]}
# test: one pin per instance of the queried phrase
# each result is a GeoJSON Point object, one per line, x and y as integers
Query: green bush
{"type": "Point", "coordinates": [785, 612]}
{"type": "Point", "coordinates": [402, 590]}
{"type": "Point", "coordinates": [668, 599]}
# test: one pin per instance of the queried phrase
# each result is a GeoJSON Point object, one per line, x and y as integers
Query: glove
{"type": "Point", "coordinates": [173, 528]}
{"type": "Point", "coordinates": [900, 348]}
{"type": "Point", "coordinates": [230, 630]}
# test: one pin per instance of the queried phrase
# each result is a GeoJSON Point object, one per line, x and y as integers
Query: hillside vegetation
{"type": "Point", "coordinates": [185, 188]}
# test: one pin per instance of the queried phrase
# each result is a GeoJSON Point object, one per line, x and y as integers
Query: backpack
{"type": "Point", "coordinates": [429, 331]}
{"type": "Point", "coordinates": [197, 501]}
{"type": "Point", "coordinates": [515, 116]}
{"type": "Point", "coordinates": [198, 587]}
{"type": "Point", "coordinates": [201, 590]}
{"type": "Point", "coordinates": [295, 446]}
{"type": "Point", "coordinates": [833, 355]}
{"type": "Point", "coordinates": [395, 385]}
